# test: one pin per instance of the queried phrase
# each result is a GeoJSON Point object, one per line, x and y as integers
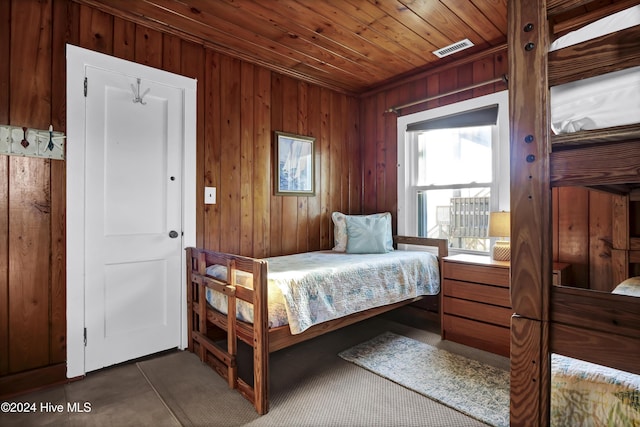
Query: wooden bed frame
{"type": "Point", "coordinates": [593, 326]}
{"type": "Point", "coordinates": [208, 327]}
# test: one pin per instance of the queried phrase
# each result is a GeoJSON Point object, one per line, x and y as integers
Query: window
{"type": "Point", "coordinates": [453, 170]}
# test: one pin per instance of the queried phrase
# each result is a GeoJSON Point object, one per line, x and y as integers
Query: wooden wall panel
{"type": "Point", "coordinates": [380, 158]}
{"type": "Point", "coordinates": [583, 223]}
{"type": "Point", "coordinates": [326, 224]}
{"type": "Point", "coordinates": [192, 64]}
{"type": "Point", "coordinates": [29, 205]}
{"type": "Point", "coordinates": [354, 153]}
{"type": "Point", "coordinates": [600, 236]}
{"type": "Point", "coordinates": [209, 142]}
{"type": "Point", "coordinates": [124, 39]}
{"type": "Point", "coordinates": [5, 49]}
{"type": "Point", "coordinates": [336, 156]}
{"type": "Point", "coordinates": [29, 252]}
{"type": "Point", "coordinates": [314, 205]}
{"type": "Point", "coordinates": [573, 232]}
{"type": "Point", "coordinates": [4, 265]}
{"type": "Point", "coordinates": [171, 53]}
{"type": "Point", "coordinates": [277, 94]}
{"type": "Point", "coordinates": [96, 30]}
{"type": "Point", "coordinates": [148, 47]}
{"type": "Point", "coordinates": [239, 105]}
{"type": "Point", "coordinates": [65, 19]}
{"type": "Point", "coordinates": [288, 118]}
{"type": "Point", "coordinates": [246, 157]}
{"type": "Point", "coordinates": [302, 232]}
{"type": "Point", "coordinates": [368, 132]}
{"type": "Point", "coordinates": [229, 148]}
{"type": "Point", "coordinates": [262, 164]}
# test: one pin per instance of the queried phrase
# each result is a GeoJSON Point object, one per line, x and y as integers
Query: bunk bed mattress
{"type": "Point", "coordinates": [585, 394]}
{"type": "Point", "coordinates": [609, 100]}
{"type": "Point", "coordinates": [310, 288]}
{"type": "Point", "coordinates": [630, 286]}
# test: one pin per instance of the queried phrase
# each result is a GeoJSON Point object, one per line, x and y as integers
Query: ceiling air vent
{"type": "Point", "coordinates": [453, 48]}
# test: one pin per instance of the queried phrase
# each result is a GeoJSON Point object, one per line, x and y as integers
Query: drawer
{"type": "Point", "coordinates": [484, 336]}
{"type": "Point", "coordinates": [477, 311]}
{"type": "Point", "coordinates": [477, 292]}
{"type": "Point", "coordinates": [491, 275]}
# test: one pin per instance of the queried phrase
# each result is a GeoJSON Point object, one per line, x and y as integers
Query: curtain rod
{"type": "Point", "coordinates": [395, 109]}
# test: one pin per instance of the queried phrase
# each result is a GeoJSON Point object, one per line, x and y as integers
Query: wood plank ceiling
{"type": "Point", "coordinates": [346, 45]}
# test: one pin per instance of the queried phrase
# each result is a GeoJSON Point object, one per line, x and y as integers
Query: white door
{"type": "Point", "coordinates": [133, 235]}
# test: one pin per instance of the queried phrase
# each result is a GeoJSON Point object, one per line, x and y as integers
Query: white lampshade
{"type": "Point", "coordinates": [500, 226]}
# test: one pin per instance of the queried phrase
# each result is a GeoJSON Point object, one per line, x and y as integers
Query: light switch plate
{"type": "Point", "coordinates": [209, 195]}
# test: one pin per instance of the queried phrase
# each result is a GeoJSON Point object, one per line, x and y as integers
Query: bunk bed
{"type": "Point", "coordinates": [576, 326]}
{"type": "Point", "coordinates": [233, 299]}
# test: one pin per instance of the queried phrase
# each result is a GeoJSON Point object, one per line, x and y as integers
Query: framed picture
{"type": "Point", "coordinates": [294, 169]}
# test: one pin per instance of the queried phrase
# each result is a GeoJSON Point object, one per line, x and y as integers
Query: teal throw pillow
{"type": "Point", "coordinates": [369, 234]}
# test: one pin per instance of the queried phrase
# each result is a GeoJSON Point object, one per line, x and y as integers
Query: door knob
{"type": "Point", "coordinates": [173, 234]}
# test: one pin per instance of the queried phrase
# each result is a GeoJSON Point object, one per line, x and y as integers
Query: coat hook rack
{"type": "Point", "coordinates": [136, 93]}
{"type": "Point", "coordinates": [23, 141]}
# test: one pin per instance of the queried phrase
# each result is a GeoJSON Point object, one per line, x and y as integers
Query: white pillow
{"type": "Point", "coordinates": [339, 231]}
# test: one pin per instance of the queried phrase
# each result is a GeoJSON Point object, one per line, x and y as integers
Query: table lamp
{"type": "Point", "coordinates": [500, 227]}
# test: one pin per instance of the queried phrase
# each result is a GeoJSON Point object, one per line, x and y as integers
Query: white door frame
{"type": "Point", "coordinates": [77, 59]}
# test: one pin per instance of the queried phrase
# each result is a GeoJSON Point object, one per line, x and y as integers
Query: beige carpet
{"type": "Point", "coordinates": [310, 386]}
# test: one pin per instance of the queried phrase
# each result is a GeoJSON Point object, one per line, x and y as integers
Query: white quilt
{"type": "Point", "coordinates": [310, 288]}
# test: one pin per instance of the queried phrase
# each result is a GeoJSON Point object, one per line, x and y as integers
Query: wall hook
{"type": "Point", "coordinates": [24, 142]}
{"type": "Point", "coordinates": [136, 94]}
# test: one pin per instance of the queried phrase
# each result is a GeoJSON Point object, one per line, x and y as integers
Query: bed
{"type": "Point", "coordinates": [585, 331]}
{"type": "Point", "coordinates": [273, 303]}
{"type": "Point", "coordinates": [588, 394]}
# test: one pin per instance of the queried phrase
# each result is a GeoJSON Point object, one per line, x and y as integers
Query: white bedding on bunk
{"type": "Point", "coordinates": [630, 286]}
{"type": "Point", "coordinates": [612, 99]}
{"type": "Point", "coordinates": [585, 394]}
{"type": "Point", "coordinates": [310, 288]}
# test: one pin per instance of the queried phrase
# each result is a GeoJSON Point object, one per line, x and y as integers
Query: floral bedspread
{"type": "Point", "coordinates": [584, 394]}
{"type": "Point", "coordinates": [314, 287]}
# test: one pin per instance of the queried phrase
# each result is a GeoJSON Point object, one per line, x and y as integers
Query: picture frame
{"type": "Point", "coordinates": [294, 164]}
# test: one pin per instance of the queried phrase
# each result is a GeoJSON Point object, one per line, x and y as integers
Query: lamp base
{"type": "Point", "coordinates": [501, 251]}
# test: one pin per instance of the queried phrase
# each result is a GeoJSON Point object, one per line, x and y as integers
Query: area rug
{"type": "Point", "coordinates": [478, 390]}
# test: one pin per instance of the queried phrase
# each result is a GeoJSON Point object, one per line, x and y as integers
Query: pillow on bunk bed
{"type": "Point", "coordinates": [630, 286]}
{"type": "Point", "coordinates": [340, 233]}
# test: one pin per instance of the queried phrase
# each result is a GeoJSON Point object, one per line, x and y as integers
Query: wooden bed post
{"type": "Point", "coordinates": [531, 249]}
{"type": "Point", "coordinates": [620, 240]}
{"type": "Point", "coordinates": [260, 339]}
{"type": "Point", "coordinates": [189, 299]}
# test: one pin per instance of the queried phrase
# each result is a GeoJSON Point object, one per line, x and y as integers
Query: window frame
{"type": "Point", "coordinates": [407, 164]}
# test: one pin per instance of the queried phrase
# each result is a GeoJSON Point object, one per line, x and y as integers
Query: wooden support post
{"type": "Point", "coordinates": [190, 313]}
{"type": "Point", "coordinates": [530, 365]}
{"type": "Point", "coordinates": [531, 248]}
{"type": "Point", "coordinates": [232, 342]}
{"type": "Point", "coordinates": [202, 317]}
{"type": "Point", "coordinates": [260, 338]}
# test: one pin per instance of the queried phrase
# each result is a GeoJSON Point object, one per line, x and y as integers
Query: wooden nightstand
{"type": "Point", "coordinates": [476, 304]}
